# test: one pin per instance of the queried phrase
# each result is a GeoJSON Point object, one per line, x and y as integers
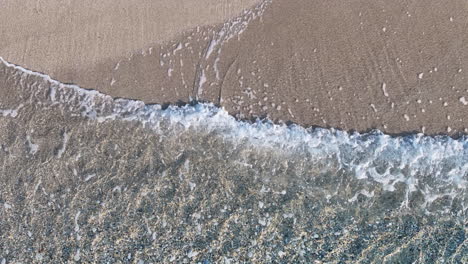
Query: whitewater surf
{"type": "Point", "coordinates": [86, 177]}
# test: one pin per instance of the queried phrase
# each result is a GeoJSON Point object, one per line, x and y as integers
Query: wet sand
{"type": "Point", "coordinates": [397, 66]}
{"type": "Point", "coordinates": [49, 35]}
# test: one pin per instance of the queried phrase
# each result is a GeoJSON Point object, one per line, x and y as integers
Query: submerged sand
{"type": "Point", "coordinates": [398, 66]}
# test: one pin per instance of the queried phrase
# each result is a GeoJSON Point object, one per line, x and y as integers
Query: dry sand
{"type": "Point", "coordinates": [399, 66]}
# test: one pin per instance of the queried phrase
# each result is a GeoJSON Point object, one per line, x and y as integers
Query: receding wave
{"type": "Point", "coordinates": [88, 175]}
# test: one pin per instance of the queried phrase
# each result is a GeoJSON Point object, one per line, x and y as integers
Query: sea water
{"type": "Point", "coordinates": [86, 177]}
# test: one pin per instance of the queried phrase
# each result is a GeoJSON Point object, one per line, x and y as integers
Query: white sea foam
{"type": "Point", "coordinates": [11, 112]}
{"type": "Point", "coordinates": [373, 157]}
{"type": "Point", "coordinates": [64, 145]}
{"type": "Point", "coordinates": [33, 148]}
{"type": "Point", "coordinates": [235, 27]}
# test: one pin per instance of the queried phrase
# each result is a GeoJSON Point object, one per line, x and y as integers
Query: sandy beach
{"type": "Point", "coordinates": [125, 133]}
{"type": "Point", "coordinates": [355, 65]}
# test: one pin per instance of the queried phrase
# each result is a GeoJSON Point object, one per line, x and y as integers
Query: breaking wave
{"type": "Point", "coordinates": [300, 172]}
{"type": "Point", "coordinates": [436, 166]}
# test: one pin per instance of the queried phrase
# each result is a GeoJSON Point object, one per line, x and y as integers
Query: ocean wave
{"type": "Point", "coordinates": [436, 166]}
{"type": "Point", "coordinates": [193, 183]}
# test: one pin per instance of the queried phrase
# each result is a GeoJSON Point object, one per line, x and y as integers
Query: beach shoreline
{"type": "Point", "coordinates": [395, 67]}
